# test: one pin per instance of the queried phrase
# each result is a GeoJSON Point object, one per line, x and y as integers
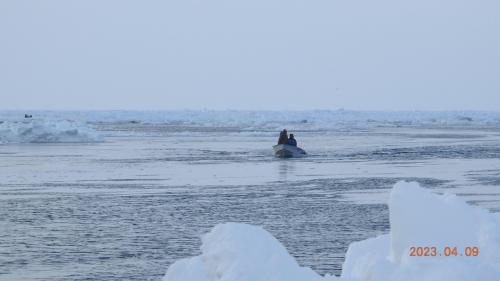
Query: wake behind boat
{"type": "Point", "coordinates": [288, 151]}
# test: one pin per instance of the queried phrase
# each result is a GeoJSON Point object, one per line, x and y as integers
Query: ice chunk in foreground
{"type": "Point", "coordinates": [238, 252]}
{"type": "Point", "coordinates": [421, 218]}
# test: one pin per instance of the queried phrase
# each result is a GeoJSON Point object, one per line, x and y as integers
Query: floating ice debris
{"type": "Point", "coordinates": [419, 218]}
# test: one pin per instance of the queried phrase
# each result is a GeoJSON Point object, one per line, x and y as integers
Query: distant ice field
{"type": "Point", "coordinates": [259, 120]}
{"type": "Point", "coordinates": [122, 195]}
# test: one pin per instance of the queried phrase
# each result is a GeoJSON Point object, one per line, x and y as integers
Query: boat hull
{"type": "Point", "coordinates": [288, 151]}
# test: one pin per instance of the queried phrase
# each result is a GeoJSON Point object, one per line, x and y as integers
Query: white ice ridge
{"type": "Point", "coordinates": [45, 131]}
{"type": "Point", "coordinates": [239, 252]}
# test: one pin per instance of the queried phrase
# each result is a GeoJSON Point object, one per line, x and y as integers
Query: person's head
{"type": "Point", "coordinates": [291, 136]}
{"type": "Point", "coordinates": [284, 130]}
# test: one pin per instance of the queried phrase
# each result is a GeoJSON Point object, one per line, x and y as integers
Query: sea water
{"type": "Point", "coordinates": [122, 195]}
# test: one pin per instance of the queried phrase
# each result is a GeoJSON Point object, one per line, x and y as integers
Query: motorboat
{"type": "Point", "coordinates": [288, 151]}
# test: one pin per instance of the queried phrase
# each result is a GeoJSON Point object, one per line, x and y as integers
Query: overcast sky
{"type": "Point", "coordinates": [254, 54]}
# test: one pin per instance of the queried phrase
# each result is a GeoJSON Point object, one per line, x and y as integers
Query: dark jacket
{"type": "Point", "coordinates": [292, 142]}
{"type": "Point", "coordinates": [283, 138]}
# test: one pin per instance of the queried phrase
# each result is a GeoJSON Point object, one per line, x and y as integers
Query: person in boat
{"type": "Point", "coordinates": [283, 137]}
{"type": "Point", "coordinates": [292, 141]}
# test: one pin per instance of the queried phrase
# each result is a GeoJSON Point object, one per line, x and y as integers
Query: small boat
{"type": "Point", "coordinates": [288, 151]}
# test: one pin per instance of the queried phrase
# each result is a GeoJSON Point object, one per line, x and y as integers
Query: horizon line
{"type": "Point", "coordinates": [252, 110]}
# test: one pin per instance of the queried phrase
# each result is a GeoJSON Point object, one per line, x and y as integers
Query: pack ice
{"type": "Point", "coordinates": [418, 217]}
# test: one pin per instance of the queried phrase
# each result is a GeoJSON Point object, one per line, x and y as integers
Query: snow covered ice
{"type": "Point", "coordinates": [46, 131]}
{"type": "Point", "coordinates": [239, 252]}
{"type": "Point", "coordinates": [420, 218]}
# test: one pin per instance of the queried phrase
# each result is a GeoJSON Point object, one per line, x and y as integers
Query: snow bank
{"type": "Point", "coordinates": [238, 252]}
{"type": "Point", "coordinates": [42, 131]}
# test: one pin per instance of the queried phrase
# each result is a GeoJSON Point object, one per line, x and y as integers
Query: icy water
{"type": "Point", "coordinates": [128, 207]}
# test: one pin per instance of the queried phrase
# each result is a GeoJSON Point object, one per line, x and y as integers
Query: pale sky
{"type": "Point", "coordinates": [254, 54]}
